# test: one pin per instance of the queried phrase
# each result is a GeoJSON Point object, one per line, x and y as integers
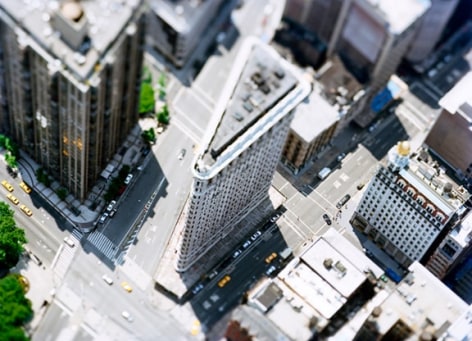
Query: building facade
{"type": "Point", "coordinates": [235, 169]}
{"type": "Point", "coordinates": [454, 247]}
{"type": "Point", "coordinates": [407, 206]}
{"type": "Point", "coordinates": [450, 138]}
{"type": "Point", "coordinates": [311, 130]}
{"type": "Point", "coordinates": [68, 76]}
{"type": "Point", "coordinates": [430, 30]}
{"type": "Point", "coordinates": [176, 28]}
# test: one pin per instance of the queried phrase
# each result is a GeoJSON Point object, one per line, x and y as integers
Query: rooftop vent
{"type": "Point", "coordinates": [328, 263]}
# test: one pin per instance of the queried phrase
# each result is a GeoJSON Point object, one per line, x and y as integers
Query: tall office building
{"type": "Point", "coordinates": [177, 27]}
{"type": "Point", "coordinates": [320, 17]}
{"type": "Point", "coordinates": [450, 138]}
{"type": "Point", "coordinates": [408, 205]}
{"type": "Point", "coordinates": [242, 149]}
{"type": "Point", "coordinates": [70, 80]}
{"type": "Point", "coordinates": [370, 36]}
{"type": "Point", "coordinates": [430, 30]}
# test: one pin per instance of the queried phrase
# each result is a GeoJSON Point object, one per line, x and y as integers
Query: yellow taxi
{"type": "Point", "coordinates": [271, 257]}
{"type": "Point", "coordinates": [25, 188]}
{"type": "Point", "coordinates": [224, 281]}
{"type": "Point", "coordinates": [126, 286]}
{"type": "Point", "coordinates": [26, 210]}
{"type": "Point", "coordinates": [7, 185]}
{"type": "Point", "coordinates": [13, 199]}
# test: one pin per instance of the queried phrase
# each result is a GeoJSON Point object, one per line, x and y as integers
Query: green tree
{"type": "Point", "coordinates": [163, 115]}
{"type": "Point", "coordinates": [149, 135]}
{"type": "Point", "coordinates": [146, 98]}
{"type": "Point", "coordinates": [42, 177]}
{"type": "Point", "coordinates": [12, 238]}
{"type": "Point", "coordinates": [15, 309]}
{"type": "Point", "coordinates": [146, 76]}
{"type": "Point", "coordinates": [11, 160]}
{"type": "Point", "coordinates": [61, 193]}
{"type": "Point", "coordinates": [2, 141]}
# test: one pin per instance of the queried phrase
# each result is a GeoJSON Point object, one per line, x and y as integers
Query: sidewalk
{"type": "Point", "coordinates": [83, 216]}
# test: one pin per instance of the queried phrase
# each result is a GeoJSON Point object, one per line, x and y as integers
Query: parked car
{"type": "Point", "coordinates": [126, 286]}
{"type": "Point", "coordinates": [270, 270]}
{"type": "Point", "coordinates": [103, 218]}
{"type": "Point", "coordinates": [256, 235]}
{"type": "Point", "coordinates": [128, 179]}
{"type": "Point", "coordinates": [111, 205]}
{"type": "Point", "coordinates": [246, 244]}
{"type": "Point", "coordinates": [341, 157]}
{"type": "Point", "coordinates": [236, 253]}
{"type": "Point", "coordinates": [197, 288]}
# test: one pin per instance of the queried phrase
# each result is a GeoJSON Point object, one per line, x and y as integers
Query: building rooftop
{"type": "Point", "coordinates": [400, 14]}
{"type": "Point", "coordinates": [459, 98]}
{"type": "Point", "coordinates": [333, 267]}
{"type": "Point", "coordinates": [181, 15]}
{"type": "Point", "coordinates": [425, 174]}
{"type": "Point", "coordinates": [76, 34]}
{"type": "Point", "coordinates": [313, 116]}
{"type": "Point", "coordinates": [261, 89]}
{"type": "Point", "coordinates": [349, 251]}
{"type": "Point", "coordinates": [335, 83]}
{"type": "Point", "coordinates": [462, 233]}
{"type": "Point", "coordinates": [422, 302]}
{"type": "Point", "coordinates": [461, 329]}
{"type": "Point", "coordinates": [313, 289]}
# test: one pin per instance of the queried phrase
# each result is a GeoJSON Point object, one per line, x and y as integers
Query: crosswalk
{"type": "Point", "coordinates": [104, 245]}
{"type": "Point", "coordinates": [64, 258]}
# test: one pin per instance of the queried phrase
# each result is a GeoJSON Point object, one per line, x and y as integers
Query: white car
{"type": "Point", "coordinates": [69, 241]}
{"type": "Point", "coordinates": [107, 279]}
{"type": "Point", "coordinates": [128, 179]}
{"type": "Point", "coordinates": [111, 205]}
{"type": "Point", "coordinates": [127, 316]}
{"type": "Point", "coordinates": [103, 218]}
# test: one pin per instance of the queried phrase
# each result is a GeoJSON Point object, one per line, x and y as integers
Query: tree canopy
{"type": "Point", "coordinates": [12, 238]}
{"type": "Point", "coordinates": [15, 309]}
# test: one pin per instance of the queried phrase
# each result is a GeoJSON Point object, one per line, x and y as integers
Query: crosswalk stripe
{"type": "Point", "coordinates": [103, 244]}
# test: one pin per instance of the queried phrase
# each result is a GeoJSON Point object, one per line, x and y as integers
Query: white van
{"type": "Point", "coordinates": [324, 173]}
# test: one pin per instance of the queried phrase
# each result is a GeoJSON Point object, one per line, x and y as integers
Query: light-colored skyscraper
{"type": "Point", "coordinates": [408, 205]}
{"type": "Point", "coordinates": [70, 79]}
{"type": "Point", "coordinates": [242, 148]}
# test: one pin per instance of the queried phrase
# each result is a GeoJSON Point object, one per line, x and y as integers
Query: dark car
{"type": "Point", "coordinates": [343, 200]}
{"type": "Point", "coordinates": [326, 219]}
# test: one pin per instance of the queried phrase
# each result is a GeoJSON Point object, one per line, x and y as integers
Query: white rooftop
{"type": "Point", "coordinates": [314, 290]}
{"type": "Point", "coordinates": [458, 95]}
{"type": "Point", "coordinates": [400, 14]}
{"type": "Point", "coordinates": [345, 282]}
{"type": "Point", "coordinates": [462, 234]}
{"type": "Point", "coordinates": [348, 250]}
{"type": "Point", "coordinates": [313, 116]}
{"type": "Point", "coordinates": [425, 299]}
